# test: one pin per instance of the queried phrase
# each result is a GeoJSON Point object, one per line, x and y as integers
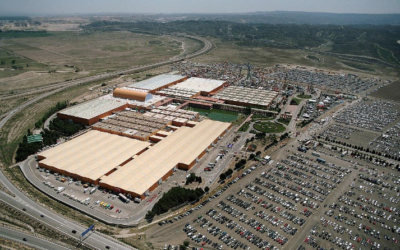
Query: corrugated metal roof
{"type": "Point", "coordinates": [90, 109]}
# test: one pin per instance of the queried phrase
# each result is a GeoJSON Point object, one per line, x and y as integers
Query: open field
{"type": "Point", "coordinates": [268, 57]}
{"type": "Point", "coordinates": [73, 55]}
{"type": "Point", "coordinates": [390, 92]}
{"type": "Point", "coordinates": [8, 104]}
{"type": "Point", "coordinates": [89, 51]}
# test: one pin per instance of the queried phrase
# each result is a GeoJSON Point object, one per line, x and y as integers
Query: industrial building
{"type": "Point", "coordinates": [178, 117]}
{"type": "Point", "coordinates": [180, 149]}
{"type": "Point", "coordinates": [194, 86]}
{"type": "Point", "coordinates": [91, 155]}
{"type": "Point", "coordinates": [131, 166]}
{"type": "Point", "coordinates": [92, 111]}
{"type": "Point", "coordinates": [131, 124]}
{"type": "Point", "coordinates": [246, 96]}
{"type": "Point", "coordinates": [159, 82]}
{"type": "Point", "coordinates": [134, 98]}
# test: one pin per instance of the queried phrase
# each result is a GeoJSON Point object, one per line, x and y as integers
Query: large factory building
{"type": "Point", "coordinates": [181, 149]}
{"type": "Point", "coordinates": [127, 165]}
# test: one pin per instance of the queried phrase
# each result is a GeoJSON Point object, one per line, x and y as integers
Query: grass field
{"type": "Point", "coordinates": [217, 115]}
{"type": "Point", "coordinates": [269, 127]}
{"type": "Point", "coordinates": [268, 57]}
{"type": "Point", "coordinates": [304, 96]}
{"type": "Point", "coordinates": [244, 127]}
{"type": "Point", "coordinates": [91, 53]}
{"type": "Point", "coordinates": [390, 92]}
{"type": "Point", "coordinates": [295, 100]}
{"type": "Point", "coordinates": [386, 55]}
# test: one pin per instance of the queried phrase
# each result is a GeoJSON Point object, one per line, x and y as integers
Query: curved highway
{"type": "Point", "coordinates": [28, 240]}
{"type": "Point", "coordinates": [53, 220]}
{"type": "Point", "coordinates": [207, 47]}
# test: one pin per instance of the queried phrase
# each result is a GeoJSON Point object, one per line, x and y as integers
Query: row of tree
{"type": "Point", "coordinates": [174, 197]}
{"type": "Point", "coordinates": [226, 174]}
{"type": "Point", "coordinates": [361, 148]}
{"type": "Point", "coordinates": [59, 106]}
{"type": "Point", "coordinates": [57, 127]}
{"type": "Point", "coordinates": [192, 177]}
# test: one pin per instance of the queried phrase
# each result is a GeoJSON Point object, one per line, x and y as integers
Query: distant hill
{"type": "Point", "coordinates": [289, 17]}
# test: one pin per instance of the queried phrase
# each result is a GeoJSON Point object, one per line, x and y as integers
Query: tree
{"type": "Point", "coordinates": [222, 176]}
{"type": "Point", "coordinates": [252, 156]}
{"type": "Point", "coordinates": [258, 153]}
{"type": "Point", "coordinates": [150, 215]}
{"type": "Point", "coordinates": [3, 62]}
{"type": "Point", "coordinates": [186, 243]}
{"type": "Point", "coordinates": [206, 189]}
{"type": "Point", "coordinates": [13, 61]}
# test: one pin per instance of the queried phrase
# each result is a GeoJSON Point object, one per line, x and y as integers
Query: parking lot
{"type": "Point", "coordinates": [266, 208]}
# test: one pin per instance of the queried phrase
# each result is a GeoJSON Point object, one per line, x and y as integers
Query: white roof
{"type": "Point", "coordinates": [199, 84]}
{"type": "Point", "coordinates": [90, 109]}
{"type": "Point", "coordinates": [157, 81]}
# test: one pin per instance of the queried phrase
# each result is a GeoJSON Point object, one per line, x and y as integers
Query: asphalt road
{"type": "Point", "coordinates": [29, 239]}
{"type": "Point", "coordinates": [30, 163]}
{"type": "Point", "coordinates": [207, 46]}
{"type": "Point", "coordinates": [54, 220]}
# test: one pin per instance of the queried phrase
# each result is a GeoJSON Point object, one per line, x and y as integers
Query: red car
{"type": "Point", "coordinates": [117, 210]}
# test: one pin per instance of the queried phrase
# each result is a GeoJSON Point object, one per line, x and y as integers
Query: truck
{"type": "Point", "coordinates": [320, 160]}
{"type": "Point", "coordinates": [343, 153]}
{"type": "Point", "coordinates": [60, 189]}
{"type": "Point", "coordinates": [315, 154]}
{"type": "Point", "coordinates": [302, 149]}
{"type": "Point", "coordinates": [93, 190]}
{"type": "Point", "coordinates": [123, 197]}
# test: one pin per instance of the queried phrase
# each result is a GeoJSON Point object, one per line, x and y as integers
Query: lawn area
{"type": "Point", "coordinates": [216, 114]}
{"type": "Point", "coordinates": [244, 127]}
{"type": "Point", "coordinates": [304, 96]}
{"type": "Point", "coordinates": [269, 127]}
{"type": "Point", "coordinates": [295, 101]}
{"type": "Point", "coordinates": [284, 121]}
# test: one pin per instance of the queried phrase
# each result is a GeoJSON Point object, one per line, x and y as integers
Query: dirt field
{"type": "Point", "coordinates": [390, 92]}
{"type": "Point", "coordinates": [89, 51]}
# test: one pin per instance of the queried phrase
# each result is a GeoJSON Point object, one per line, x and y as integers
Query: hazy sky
{"type": "Point", "coordinates": [197, 6]}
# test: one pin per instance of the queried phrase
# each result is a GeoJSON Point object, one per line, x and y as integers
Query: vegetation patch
{"type": "Point", "coordinates": [295, 101]}
{"type": "Point", "coordinates": [269, 127]}
{"type": "Point", "coordinates": [314, 58]}
{"type": "Point", "coordinates": [358, 66]}
{"type": "Point", "coordinates": [303, 96]}
{"type": "Point", "coordinates": [174, 197]}
{"type": "Point", "coordinates": [244, 127]}
{"type": "Point", "coordinates": [284, 121]}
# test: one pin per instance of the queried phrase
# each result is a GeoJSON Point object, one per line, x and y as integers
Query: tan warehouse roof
{"type": "Point", "coordinates": [92, 154]}
{"type": "Point", "coordinates": [181, 146]}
